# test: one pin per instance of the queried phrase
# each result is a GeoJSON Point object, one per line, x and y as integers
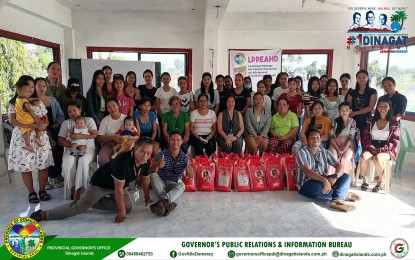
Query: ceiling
{"type": "Point", "coordinates": [300, 6]}
{"type": "Point", "coordinates": [232, 6]}
{"type": "Point", "coordinates": [134, 5]}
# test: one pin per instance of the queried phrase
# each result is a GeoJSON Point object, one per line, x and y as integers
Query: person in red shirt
{"type": "Point", "coordinates": [125, 103]}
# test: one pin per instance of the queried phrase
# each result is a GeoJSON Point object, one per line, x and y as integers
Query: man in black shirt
{"type": "Point", "coordinates": [110, 179]}
{"type": "Point", "coordinates": [398, 100]}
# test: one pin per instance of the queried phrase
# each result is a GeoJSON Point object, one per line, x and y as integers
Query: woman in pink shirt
{"type": "Point", "coordinates": [125, 103]}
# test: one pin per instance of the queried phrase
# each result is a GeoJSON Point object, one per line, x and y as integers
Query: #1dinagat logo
{"type": "Point", "coordinates": [378, 28]}
{"type": "Point", "coordinates": [399, 248]}
{"type": "Point", "coordinates": [24, 238]}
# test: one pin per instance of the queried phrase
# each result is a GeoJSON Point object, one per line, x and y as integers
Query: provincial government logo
{"type": "Point", "coordinates": [24, 238]}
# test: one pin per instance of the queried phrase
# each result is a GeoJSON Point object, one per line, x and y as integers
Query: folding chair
{"type": "Point", "coordinates": [409, 147]}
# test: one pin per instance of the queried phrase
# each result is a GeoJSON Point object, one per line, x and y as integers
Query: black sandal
{"type": "Point", "coordinates": [36, 215]}
{"type": "Point", "coordinates": [376, 188]}
{"type": "Point", "coordinates": [364, 186]}
{"type": "Point", "coordinates": [33, 198]}
{"type": "Point", "coordinates": [44, 196]}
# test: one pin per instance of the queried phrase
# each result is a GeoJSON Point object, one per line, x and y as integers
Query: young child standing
{"type": "Point", "coordinates": [26, 115]}
{"type": "Point", "coordinates": [80, 128]}
{"type": "Point", "coordinates": [129, 134]}
{"type": "Point", "coordinates": [186, 97]}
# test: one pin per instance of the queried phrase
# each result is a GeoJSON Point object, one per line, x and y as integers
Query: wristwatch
{"type": "Point", "coordinates": [333, 176]}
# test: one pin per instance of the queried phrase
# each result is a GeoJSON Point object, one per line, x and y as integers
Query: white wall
{"type": "Point", "coordinates": [41, 19]}
{"type": "Point", "coordinates": [287, 31]}
{"type": "Point", "coordinates": [292, 31]}
{"type": "Point", "coordinates": [141, 30]}
{"type": "Point", "coordinates": [48, 9]}
{"type": "Point", "coordinates": [44, 19]}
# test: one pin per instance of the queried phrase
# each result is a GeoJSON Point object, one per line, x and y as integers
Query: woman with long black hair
{"type": "Point", "coordinates": [363, 100]}
{"type": "Point", "coordinates": [380, 141]}
{"type": "Point", "coordinates": [96, 96]}
{"type": "Point", "coordinates": [343, 137]}
{"type": "Point", "coordinates": [206, 87]}
{"type": "Point", "coordinates": [312, 95]}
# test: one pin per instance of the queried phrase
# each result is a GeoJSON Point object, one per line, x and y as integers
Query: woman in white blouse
{"type": "Point", "coordinates": [380, 141]}
{"type": "Point", "coordinates": [203, 127]}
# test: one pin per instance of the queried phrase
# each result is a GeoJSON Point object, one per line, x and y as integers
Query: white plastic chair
{"type": "Point", "coordinates": [371, 174]}
{"type": "Point", "coordinates": [7, 134]}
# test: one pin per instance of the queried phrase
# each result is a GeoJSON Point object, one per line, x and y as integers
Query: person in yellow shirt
{"type": "Point", "coordinates": [25, 113]}
{"type": "Point", "coordinates": [318, 121]}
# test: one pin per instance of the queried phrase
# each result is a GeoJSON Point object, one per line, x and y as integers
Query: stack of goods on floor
{"type": "Point", "coordinates": [227, 172]}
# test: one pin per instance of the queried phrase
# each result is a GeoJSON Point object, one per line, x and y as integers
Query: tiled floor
{"type": "Point", "coordinates": [217, 214]}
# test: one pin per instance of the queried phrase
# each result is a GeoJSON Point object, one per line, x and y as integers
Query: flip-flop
{"type": "Point", "coordinates": [377, 188]}
{"type": "Point", "coordinates": [44, 196]}
{"type": "Point", "coordinates": [352, 197]}
{"type": "Point", "coordinates": [337, 204]}
{"type": "Point", "coordinates": [33, 198]}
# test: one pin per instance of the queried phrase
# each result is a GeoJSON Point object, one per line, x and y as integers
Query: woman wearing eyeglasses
{"type": "Point", "coordinates": [203, 127]}
{"type": "Point", "coordinates": [230, 128]}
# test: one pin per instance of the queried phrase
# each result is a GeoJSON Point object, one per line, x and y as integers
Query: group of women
{"type": "Point", "coordinates": [270, 120]}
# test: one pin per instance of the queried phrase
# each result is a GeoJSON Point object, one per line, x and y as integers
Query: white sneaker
{"type": "Point", "coordinates": [56, 183]}
{"type": "Point", "coordinates": [49, 184]}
